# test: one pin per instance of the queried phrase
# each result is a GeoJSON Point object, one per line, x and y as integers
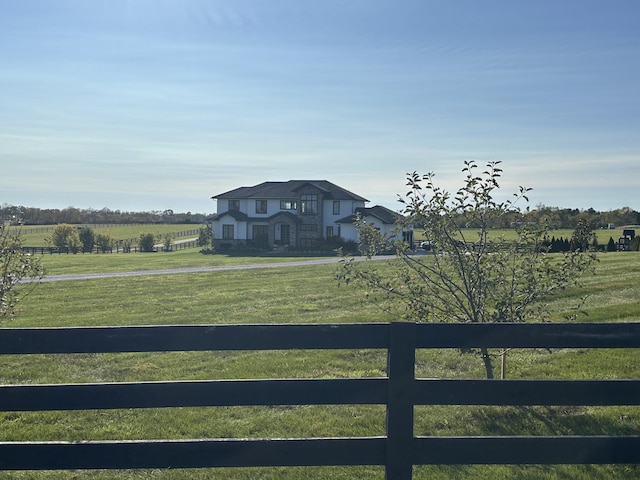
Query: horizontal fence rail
{"type": "Point", "coordinates": [398, 451]}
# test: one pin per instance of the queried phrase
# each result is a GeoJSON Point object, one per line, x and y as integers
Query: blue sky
{"type": "Point", "coordinates": [160, 104]}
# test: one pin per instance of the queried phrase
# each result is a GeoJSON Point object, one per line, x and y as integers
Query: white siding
{"type": "Point", "coordinates": [347, 207]}
{"type": "Point", "coordinates": [223, 205]}
{"type": "Point", "coordinates": [348, 232]}
{"type": "Point", "coordinates": [239, 228]}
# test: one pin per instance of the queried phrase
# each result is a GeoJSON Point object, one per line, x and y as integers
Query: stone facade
{"type": "Point", "coordinates": [310, 212]}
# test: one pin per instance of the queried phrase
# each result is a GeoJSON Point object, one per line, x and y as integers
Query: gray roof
{"type": "Point", "coordinates": [288, 215]}
{"type": "Point", "coordinates": [243, 217]}
{"type": "Point", "coordinates": [381, 213]}
{"type": "Point", "coordinates": [236, 214]}
{"type": "Point", "coordinates": [289, 189]}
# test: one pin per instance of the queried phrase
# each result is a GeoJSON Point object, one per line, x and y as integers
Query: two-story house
{"type": "Point", "coordinates": [296, 213]}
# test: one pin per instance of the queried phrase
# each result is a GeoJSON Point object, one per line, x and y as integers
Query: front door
{"type": "Point", "coordinates": [284, 234]}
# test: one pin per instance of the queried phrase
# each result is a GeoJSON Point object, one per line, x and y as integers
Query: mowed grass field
{"type": "Point", "coordinates": [602, 235]}
{"type": "Point", "coordinates": [305, 294]}
{"type": "Point", "coordinates": [58, 264]}
{"type": "Point", "coordinates": [37, 235]}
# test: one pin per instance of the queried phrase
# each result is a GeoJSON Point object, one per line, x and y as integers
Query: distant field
{"type": "Point", "coordinates": [510, 234]}
{"type": "Point", "coordinates": [36, 235]}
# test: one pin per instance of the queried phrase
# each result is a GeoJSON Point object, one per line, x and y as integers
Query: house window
{"type": "Point", "coordinates": [307, 242]}
{"type": "Point", "coordinates": [336, 207]}
{"type": "Point", "coordinates": [260, 233]}
{"type": "Point", "coordinates": [288, 205]}
{"type": "Point", "coordinates": [309, 203]}
{"type": "Point", "coordinates": [329, 232]}
{"type": "Point", "coordinates": [261, 206]}
{"type": "Point", "coordinates": [227, 232]}
{"type": "Point", "coordinates": [234, 204]}
{"type": "Point", "coordinates": [260, 230]}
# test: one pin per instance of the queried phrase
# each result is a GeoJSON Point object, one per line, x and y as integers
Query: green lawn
{"type": "Point", "coordinates": [58, 264]}
{"type": "Point", "coordinates": [602, 235]}
{"type": "Point", "coordinates": [308, 295]}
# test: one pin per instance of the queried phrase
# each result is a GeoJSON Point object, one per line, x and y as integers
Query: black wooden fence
{"type": "Point", "coordinates": [119, 247]}
{"type": "Point", "coordinates": [400, 391]}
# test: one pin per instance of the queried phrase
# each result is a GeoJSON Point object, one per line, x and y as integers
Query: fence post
{"type": "Point", "coordinates": [401, 372]}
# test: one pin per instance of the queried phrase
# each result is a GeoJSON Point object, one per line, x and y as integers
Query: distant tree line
{"type": "Point", "coordinates": [568, 218]}
{"type": "Point", "coordinates": [558, 218]}
{"type": "Point", "coordinates": [71, 215]}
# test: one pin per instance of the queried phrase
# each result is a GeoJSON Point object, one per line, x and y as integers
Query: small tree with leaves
{"type": "Point", "coordinates": [19, 271]}
{"type": "Point", "coordinates": [582, 236]}
{"type": "Point", "coordinates": [205, 236]}
{"type": "Point", "coordinates": [66, 237]}
{"type": "Point", "coordinates": [167, 242]}
{"type": "Point", "coordinates": [87, 238]}
{"type": "Point", "coordinates": [147, 242]}
{"type": "Point", "coordinates": [472, 276]}
{"type": "Point", "coordinates": [105, 242]}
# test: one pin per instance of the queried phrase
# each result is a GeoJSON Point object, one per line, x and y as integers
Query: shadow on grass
{"type": "Point", "coordinates": [528, 420]}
